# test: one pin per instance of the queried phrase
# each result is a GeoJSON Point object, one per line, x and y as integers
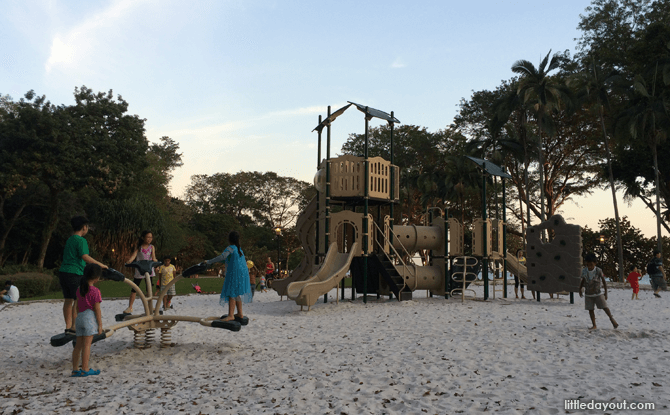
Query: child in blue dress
{"type": "Point", "coordinates": [236, 288]}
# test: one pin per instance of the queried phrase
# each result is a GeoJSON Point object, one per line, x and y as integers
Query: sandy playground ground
{"type": "Point", "coordinates": [428, 355]}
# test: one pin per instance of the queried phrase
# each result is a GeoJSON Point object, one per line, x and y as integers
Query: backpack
{"type": "Point", "coordinates": [652, 269]}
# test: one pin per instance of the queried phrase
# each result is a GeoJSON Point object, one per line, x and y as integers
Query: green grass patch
{"type": "Point", "coordinates": [112, 289]}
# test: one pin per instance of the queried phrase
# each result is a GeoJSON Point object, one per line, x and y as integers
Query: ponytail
{"type": "Point", "coordinates": [91, 272]}
{"type": "Point", "coordinates": [234, 239]}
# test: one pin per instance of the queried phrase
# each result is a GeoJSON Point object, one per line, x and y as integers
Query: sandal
{"type": "Point", "coordinates": [90, 372]}
{"type": "Point", "coordinates": [76, 374]}
{"type": "Point", "coordinates": [71, 331]}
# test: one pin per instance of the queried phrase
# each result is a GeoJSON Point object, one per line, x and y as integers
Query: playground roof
{"type": "Point", "coordinates": [369, 114]}
{"type": "Point", "coordinates": [490, 168]}
{"type": "Point", "coordinates": [330, 119]}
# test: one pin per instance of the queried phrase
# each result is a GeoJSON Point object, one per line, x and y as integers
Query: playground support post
{"type": "Point", "coordinates": [447, 279]}
{"type": "Point", "coordinates": [392, 178]}
{"type": "Point", "coordinates": [485, 263]}
{"type": "Point", "coordinates": [365, 212]}
{"type": "Point", "coordinates": [327, 230]}
{"type": "Point", "coordinates": [504, 250]}
{"type": "Point", "coordinates": [318, 165]}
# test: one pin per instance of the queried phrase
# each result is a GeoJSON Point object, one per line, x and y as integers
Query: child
{"type": "Point", "coordinates": [88, 306]}
{"type": "Point", "coordinates": [10, 294]}
{"type": "Point", "coordinates": [166, 272]}
{"type": "Point", "coordinates": [236, 287]}
{"type": "Point", "coordinates": [263, 290]}
{"type": "Point", "coordinates": [634, 280]}
{"type": "Point", "coordinates": [144, 251]}
{"type": "Point", "coordinates": [592, 277]}
{"type": "Point", "coordinates": [252, 277]}
{"type": "Point", "coordinates": [75, 257]}
{"type": "Point", "coordinates": [522, 261]}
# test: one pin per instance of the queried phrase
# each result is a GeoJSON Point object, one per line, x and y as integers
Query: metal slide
{"type": "Point", "coordinates": [305, 225]}
{"type": "Point", "coordinates": [516, 268]}
{"type": "Point", "coordinates": [329, 275]}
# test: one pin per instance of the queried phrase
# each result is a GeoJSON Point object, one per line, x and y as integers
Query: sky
{"type": "Point", "coordinates": [240, 84]}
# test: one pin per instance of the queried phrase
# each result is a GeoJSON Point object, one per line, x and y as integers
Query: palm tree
{"type": "Point", "coordinates": [594, 89]}
{"type": "Point", "coordinates": [544, 95]}
{"type": "Point", "coordinates": [510, 106]}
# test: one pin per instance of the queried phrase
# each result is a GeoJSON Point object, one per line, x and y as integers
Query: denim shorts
{"type": "Point", "coordinates": [86, 324]}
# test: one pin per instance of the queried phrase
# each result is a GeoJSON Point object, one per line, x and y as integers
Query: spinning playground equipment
{"type": "Point", "coordinates": [144, 325]}
{"type": "Point", "coordinates": [339, 233]}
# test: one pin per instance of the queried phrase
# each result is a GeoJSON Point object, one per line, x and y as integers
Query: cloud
{"type": "Point", "coordinates": [398, 63]}
{"type": "Point", "coordinates": [75, 47]}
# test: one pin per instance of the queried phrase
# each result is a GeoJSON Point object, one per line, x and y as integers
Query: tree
{"type": "Point", "coordinates": [93, 145]}
{"type": "Point", "coordinates": [544, 94]}
{"type": "Point", "coordinates": [594, 90]}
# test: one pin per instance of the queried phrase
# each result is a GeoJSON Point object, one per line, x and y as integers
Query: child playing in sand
{"type": "Point", "coordinates": [166, 272]}
{"type": "Point", "coordinates": [236, 286]}
{"type": "Point", "coordinates": [592, 277]}
{"type": "Point", "coordinates": [634, 280]}
{"type": "Point", "coordinates": [89, 320]}
{"type": "Point", "coordinates": [144, 251]}
{"type": "Point", "coordinates": [252, 276]}
{"type": "Point", "coordinates": [263, 290]}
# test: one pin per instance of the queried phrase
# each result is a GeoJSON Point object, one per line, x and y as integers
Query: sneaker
{"type": "Point", "coordinates": [128, 310]}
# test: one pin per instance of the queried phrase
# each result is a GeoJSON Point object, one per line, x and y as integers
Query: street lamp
{"type": "Point", "coordinates": [277, 230]}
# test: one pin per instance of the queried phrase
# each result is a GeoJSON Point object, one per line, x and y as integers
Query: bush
{"type": "Point", "coordinates": [32, 284]}
{"type": "Point", "coordinates": [24, 268]}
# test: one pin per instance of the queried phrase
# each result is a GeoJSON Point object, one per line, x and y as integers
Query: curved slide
{"type": "Point", "coordinates": [329, 275]}
{"type": "Point", "coordinates": [516, 268]}
{"type": "Point", "coordinates": [305, 225]}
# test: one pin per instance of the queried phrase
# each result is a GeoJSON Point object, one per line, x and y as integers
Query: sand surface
{"type": "Point", "coordinates": [428, 355]}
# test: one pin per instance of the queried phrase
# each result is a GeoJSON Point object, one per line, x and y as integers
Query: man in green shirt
{"type": "Point", "coordinates": [75, 258]}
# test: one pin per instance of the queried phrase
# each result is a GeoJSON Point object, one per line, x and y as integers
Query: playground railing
{"type": "Point", "coordinates": [405, 267]}
{"type": "Point", "coordinates": [498, 268]}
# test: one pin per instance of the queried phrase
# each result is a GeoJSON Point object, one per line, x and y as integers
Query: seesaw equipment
{"type": "Point", "coordinates": [143, 325]}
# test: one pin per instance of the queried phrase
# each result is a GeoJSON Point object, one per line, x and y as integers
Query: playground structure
{"type": "Point", "coordinates": [144, 325]}
{"type": "Point", "coordinates": [555, 266]}
{"type": "Point", "coordinates": [342, 236]}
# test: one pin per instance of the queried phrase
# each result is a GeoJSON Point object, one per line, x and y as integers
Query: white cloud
{"type": "Point", "coordinates": [77, 45]}
{"type": "Point", "coordinates": [398, 63]}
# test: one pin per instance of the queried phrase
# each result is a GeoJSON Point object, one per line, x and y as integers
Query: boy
{"type": "Point", "coordinates": [634, 280]}
{"type": "Point", "coordinates": [657, 274]}
{"type": "Point", "coordinates": [10, 294]}
{"type": "Point", "coordinates": [592, 277]}
{"type": "Point", "coordinates": [75, 257]}
{"type": "Point", "coordinates": [166, 272]}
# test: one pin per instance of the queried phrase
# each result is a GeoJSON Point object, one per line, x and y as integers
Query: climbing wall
{"type": "Point", "coordinates": [554, 266]}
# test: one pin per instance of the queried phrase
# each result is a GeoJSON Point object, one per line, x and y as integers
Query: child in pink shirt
{"type": "Point", "coordinates": [89, 320]}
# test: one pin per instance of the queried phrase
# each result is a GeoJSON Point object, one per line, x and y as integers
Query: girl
{"type": "Point", "coordinates": [88, 312]}
{"type": "Point", "coordinates": [236, 286]}
{"type": "Point", "coordinates": [144, 251]}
